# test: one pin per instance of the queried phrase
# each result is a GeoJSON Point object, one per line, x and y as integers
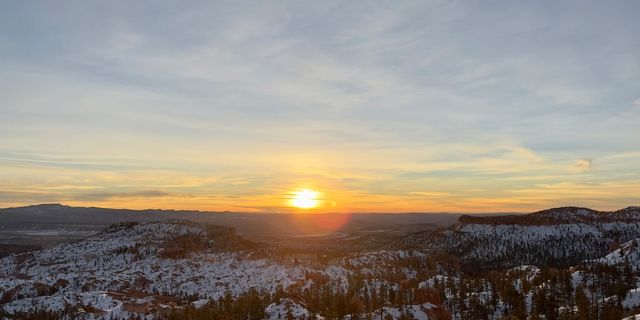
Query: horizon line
{"type": "Point", "coordinates": [305, 211]}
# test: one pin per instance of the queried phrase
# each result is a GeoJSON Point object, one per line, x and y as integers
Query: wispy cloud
{"type": "Point", "coordinates": [240, 102]}
{"type": "Point", "coordinates": [582, 165]}
{"type": "Point", "coordinates": [100, 196]}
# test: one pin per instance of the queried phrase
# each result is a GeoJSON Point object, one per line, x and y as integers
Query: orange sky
{"type": "Point", "coordinates": [415, 106]}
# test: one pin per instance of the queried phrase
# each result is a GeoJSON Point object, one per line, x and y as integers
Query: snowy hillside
{"type": "Point", "coordinates": [561, 237]}
{"type": "Point", "coordinates": [176, 269]}
{"type": "Point", "coordinates": [287, 308]}
{"type": "Point", "coordinates": [629, 252]}
{"type": "Point", "coordinates": [138, 268]}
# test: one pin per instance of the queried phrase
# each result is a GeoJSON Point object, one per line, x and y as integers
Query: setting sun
{"type": "Point", "coordinates": [305, 199]}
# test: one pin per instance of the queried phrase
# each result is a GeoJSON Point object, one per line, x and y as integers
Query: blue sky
{"type": "Point", "coordinates": [467, 106]}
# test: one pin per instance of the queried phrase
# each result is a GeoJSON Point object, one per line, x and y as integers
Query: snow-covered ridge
{"type": "Point", "coordinates": [556, 237]}
{"type": "Point", "coordinates": [560, 244]}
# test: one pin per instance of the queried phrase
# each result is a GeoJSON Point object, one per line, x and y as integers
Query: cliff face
{"type": "Point", "coordinates": [225, 237]}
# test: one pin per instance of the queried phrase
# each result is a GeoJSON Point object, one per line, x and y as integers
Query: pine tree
{"type": "Point", "coordinates": [582, 304]}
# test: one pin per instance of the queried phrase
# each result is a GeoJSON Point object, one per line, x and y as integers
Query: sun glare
{"type": "Point", "coordinates": [305, 199]}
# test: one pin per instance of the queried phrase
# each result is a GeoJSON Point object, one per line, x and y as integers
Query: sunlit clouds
{"type": "Point", "coordinates": [412, 106]}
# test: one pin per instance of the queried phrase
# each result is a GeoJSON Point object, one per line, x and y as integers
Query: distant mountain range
{"type": "Point", "coordinates": [560, 215]}
{"type": "Point", "coordinates": [45, 216]}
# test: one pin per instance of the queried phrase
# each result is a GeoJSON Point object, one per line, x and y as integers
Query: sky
{"type": "Point", "coordinates": [380, 106]}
